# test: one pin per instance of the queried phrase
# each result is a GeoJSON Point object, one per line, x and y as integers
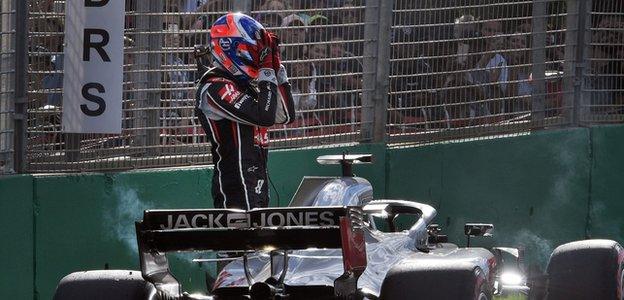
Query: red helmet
{"type": "Point", "coordinates": [234, 46]}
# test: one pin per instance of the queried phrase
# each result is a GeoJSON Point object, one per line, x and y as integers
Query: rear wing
{"type": "Point", "coordinates": [346, 161]}
{"type": "Point", "coordinates": [163, 231]}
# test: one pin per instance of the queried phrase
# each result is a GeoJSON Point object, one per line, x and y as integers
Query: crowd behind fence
{"type": "Point", "coordinates": [397, 71]}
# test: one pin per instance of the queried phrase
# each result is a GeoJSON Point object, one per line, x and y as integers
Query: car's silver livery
{"type": "Point", "coordinates": [354, 259]}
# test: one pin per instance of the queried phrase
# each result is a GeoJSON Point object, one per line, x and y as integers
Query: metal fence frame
{"type": "Point", "coordinates": [372, 126]}
{"type": "Point", "coordinates": [7, 77]}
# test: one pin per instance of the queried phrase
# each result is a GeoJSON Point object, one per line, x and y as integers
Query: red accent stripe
{"type": "Point", "coordinates": [216, 130]}
{"type": "Point", "coordinates": [233, 124]}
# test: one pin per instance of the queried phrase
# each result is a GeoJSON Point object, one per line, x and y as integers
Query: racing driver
{"type": "Point", "coordinates": [246, 91]}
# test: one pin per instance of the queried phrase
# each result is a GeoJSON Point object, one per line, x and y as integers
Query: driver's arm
{"type": "Point", "coordinates": [285, 112]}
{"type": "Point", "coordinates": [222, 98]}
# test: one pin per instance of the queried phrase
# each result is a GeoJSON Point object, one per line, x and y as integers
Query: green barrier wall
{"type": "Point", "coordinates": [86, 221]}
{"type": "Point", "coordinates": [540, 190]}
{"type": "Point", "coordinates": [533, 186]}
{"type": "Point", "coordinates": [606, 209]}
{"type": "Point", "coordinates": [17, 268]}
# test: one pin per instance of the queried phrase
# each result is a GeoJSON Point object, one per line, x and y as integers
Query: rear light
{"type": "Point", "coordinates": [353, 246]}
{"type": "Point", "coordinates": [353, 253]}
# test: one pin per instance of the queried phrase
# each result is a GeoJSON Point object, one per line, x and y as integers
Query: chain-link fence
{"type": "Point", "coordinates": [603, 87]}
{"type": "Point", "coordinates": [468, 68]}
{"type": "Point", "coordinates": [362, 71]}
{"type": "Point", "coordinates": [322, 46]}
{"type": "Point", "coordinates": [7, 84]}
{"type": "Point", "coordinates": [159, 128]}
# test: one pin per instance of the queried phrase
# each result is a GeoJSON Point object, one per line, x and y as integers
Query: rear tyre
{"type": "Point", "coordinates": [590, 269]}
{"type": "Point", "coordinates": [104, 285]}
{"type": "Point", "coordinates": [433, 279]}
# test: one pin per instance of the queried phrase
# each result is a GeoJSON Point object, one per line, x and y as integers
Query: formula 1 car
{"type": "Point", "coordinates": [328, 244]}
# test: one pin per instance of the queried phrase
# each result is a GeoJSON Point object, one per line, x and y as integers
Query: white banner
{"type": "Point", "coordinates": [93, 79]}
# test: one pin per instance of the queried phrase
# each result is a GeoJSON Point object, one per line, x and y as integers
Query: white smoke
{"type": "Point", "coordinates": [563, 185]}
{"type": "Point", "coordinates": [534, 245]}
{"type": "Point", "coordinates": [127, 208]}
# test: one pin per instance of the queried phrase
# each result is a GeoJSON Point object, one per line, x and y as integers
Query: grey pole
{"type": "Point", "coordinates": [369, 69]}
{"type": "Point", "coordinates": [7, 75]}
{"type": "Point", "coordinates": [582, 102]}
{"type": "Point", "coordinates": [539, 62]}
{"type": "Point", "coordinates": [376, 68]}
{"type": "Point", "coordinates": [147, 119]}
{"type": "Point", "coordinates": [576, 60]}
{"type": "Point", "coordinates": [382, 81]}
{"type": "Point", "coordinates": [21, 84]}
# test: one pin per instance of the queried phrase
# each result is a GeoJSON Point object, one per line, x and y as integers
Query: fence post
{"type": "Point", "coordinates": [576, 60]}
{"type": "Point", "coordinates": [376, 68]}
{"type": "Point", "coordinates": [7, 69]}
{"type": "Point", "coordinates": [540, 10]}
{"type": "Point", "coordinates": [149, 61]}
{"type": "Point", "coordinates": [21, 84]}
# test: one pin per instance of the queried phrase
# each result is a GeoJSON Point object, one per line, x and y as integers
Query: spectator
{"type": "Point", "coordinates": [318, 28]}
{"type": "Point", "coordinates": [318, 53]}
{"type": "Point", "coordinates": [465, 32]}
{"type": "Point", "coordinates": [303, 87]}
{"type": "Point", "coordinates": [53, 81]}
{"type": "Point", "coordinates": [204, 15]}
{"type": "Point", "coordinates": [519, 57]}
{"type": "Point", "coordinates": [347, 70]}
{"type": "Point", "coordinates": [46, 26]}
{"type": "Point", "coordinates": [176, 105]}
{"type": "Point", "coordinates": [555, 47]}
{"type": "Point", "coordinates": [46, 47]}
{"type": "Point", "coordinates": [172, 8]}
{"type": "Point", "coordinates": [192, 5]}
{"type": "Point", "coordinates": [491, 71]}
{"type": "Point", "coordinates": [311, 8]}
{"type": "Point", "coordinates": [606, 82]}
{"type": "Point", "coordinates": [277, 6]}
{"type": "Point", "coordinates": [321, 70]}
{"type": "Point", "coordinates": [270, 20]}
{"type": "Point", "coordinates": [459, 92]}
{"type": "Point", "coordinates": [293, 36]}
{"type": "Point", "coordinates": [351, 18]}
{"type": "Point", "coordinates": [411, 79]}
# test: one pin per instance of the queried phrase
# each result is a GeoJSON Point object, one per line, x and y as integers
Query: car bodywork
{"type": "Point", "coordinates": [299, 259]}
{"type": "Point", "coordinates": [328, 245]}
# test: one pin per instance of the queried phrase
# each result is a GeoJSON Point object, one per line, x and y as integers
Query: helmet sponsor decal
{"type": "Point", "coordinates": [225, 43]}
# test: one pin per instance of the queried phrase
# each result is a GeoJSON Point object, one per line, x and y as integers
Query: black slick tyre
{"type": "Point", "coordinates": [435, 279]}
{"type": "Point", "coordinates": [105, 284]}
{"type": "Point", "coordinates": [590, 269]}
